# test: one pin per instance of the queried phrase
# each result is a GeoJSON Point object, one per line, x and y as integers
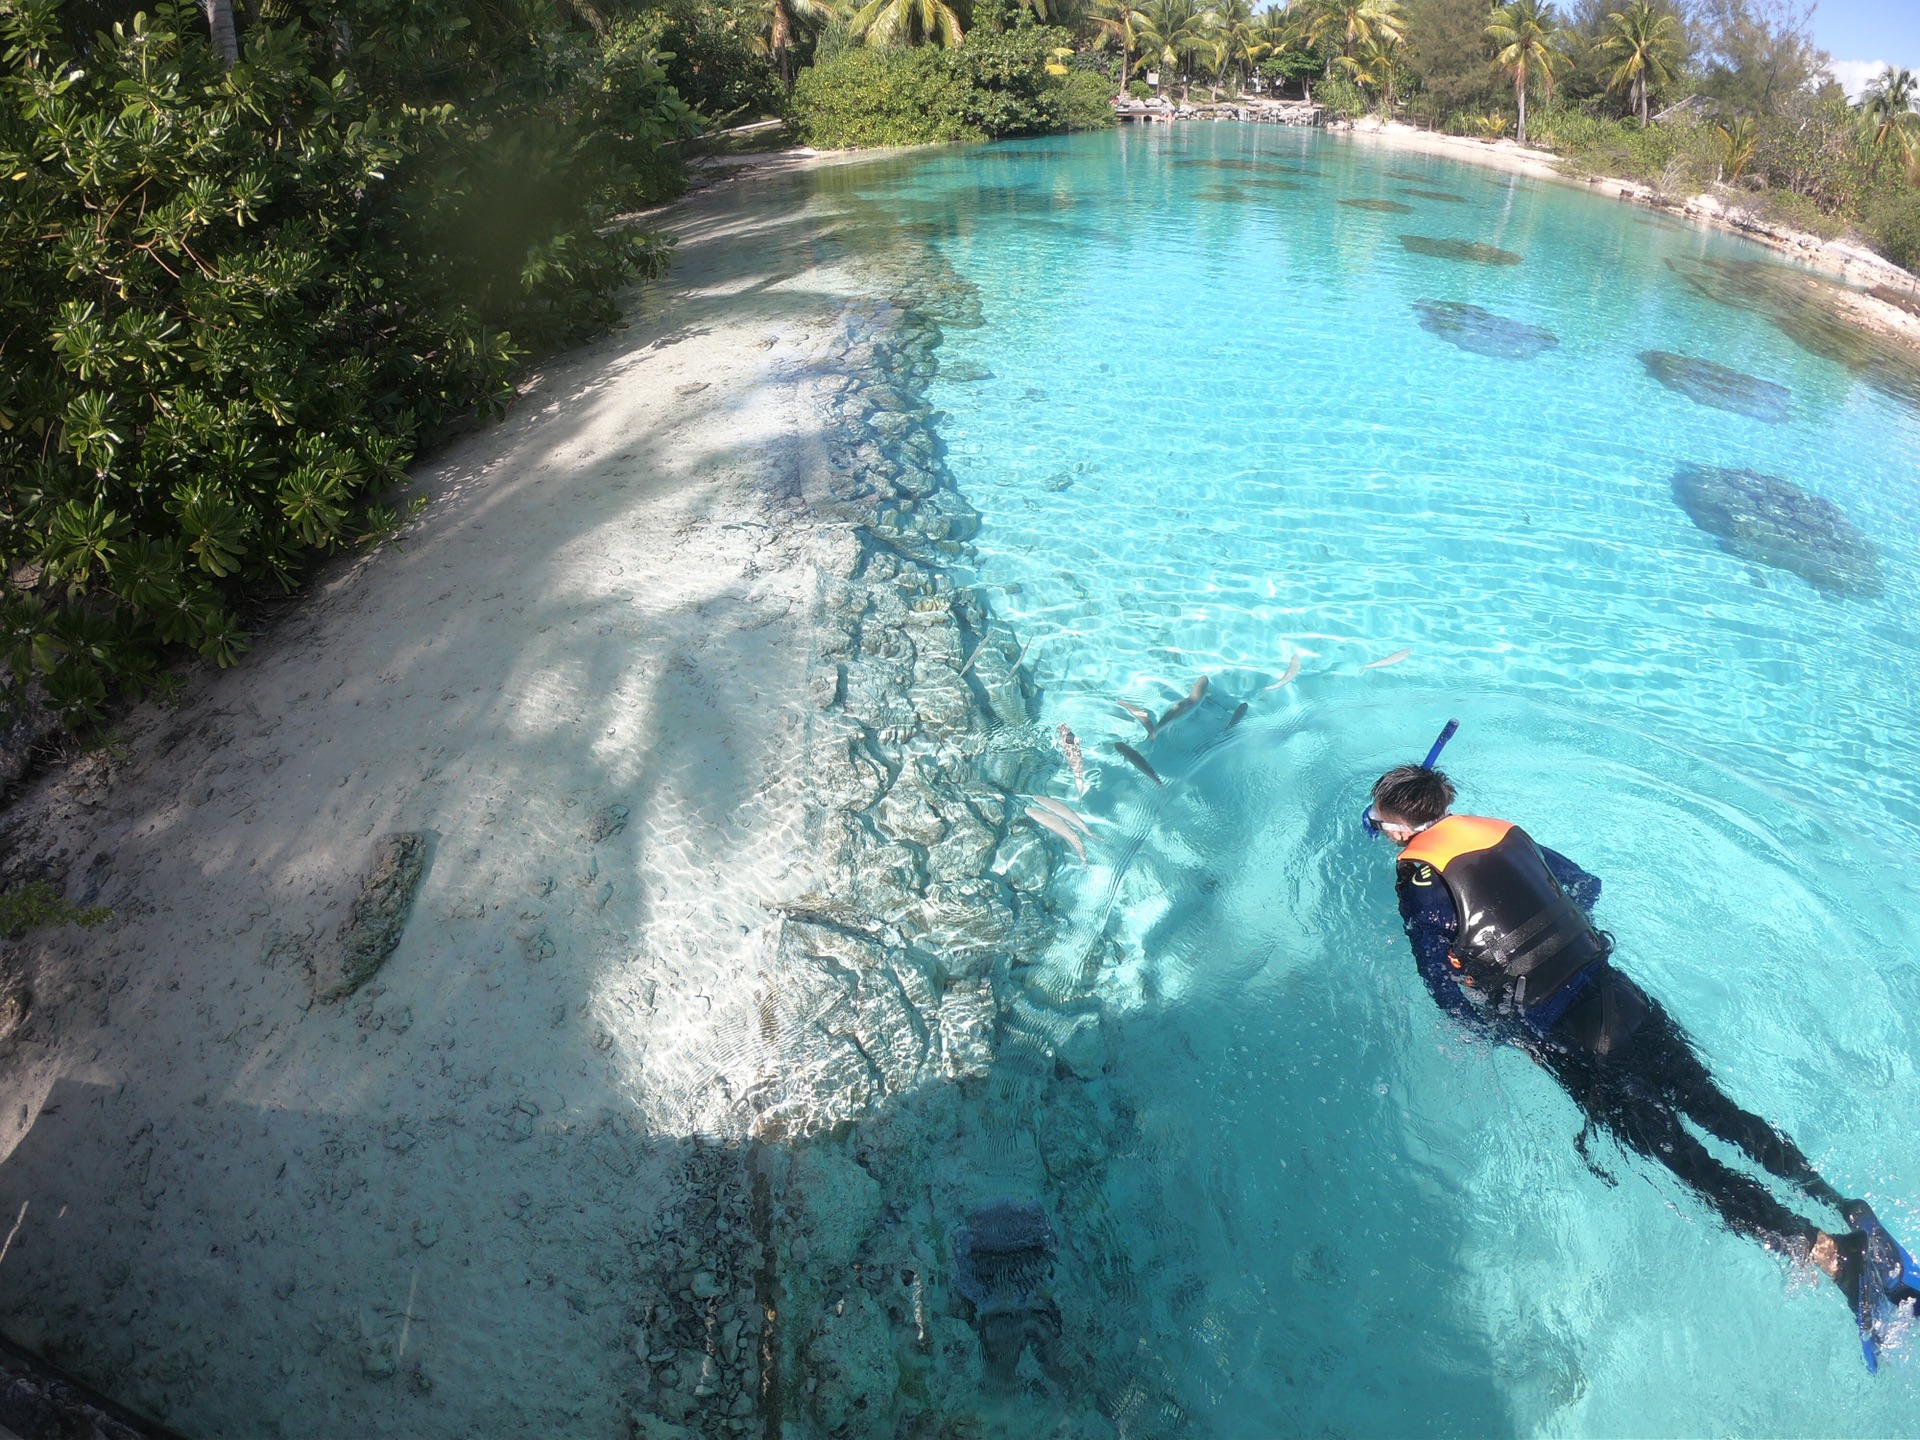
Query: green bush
{"type": "Point", "coordinates": [235, 300]}
{"type": "Point", "coordinates": [712, 56]}
{"type": "Point", "coordinates": [1140, 90]}
{"type": "Point", "coordinates": [1086, 101]}
{"type": "Point", "coordinates": [863, 97]}
{"type": "Point", "coordinates": [1893, 226]}
{"type": "Point", "coordinates": [1342, 97]}
{"type": "Point", "coordinates": [993, 84]}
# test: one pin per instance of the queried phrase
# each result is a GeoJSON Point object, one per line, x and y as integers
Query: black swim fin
{"type": "Point", "coordinates": [1886, 1282]}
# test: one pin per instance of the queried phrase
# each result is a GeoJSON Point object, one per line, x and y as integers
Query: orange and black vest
{"type": "Point", "coordinates": [1521, 937]}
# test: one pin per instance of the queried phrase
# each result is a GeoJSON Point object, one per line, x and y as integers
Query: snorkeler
{"type": "Point", "coordinates": [1528, 966]}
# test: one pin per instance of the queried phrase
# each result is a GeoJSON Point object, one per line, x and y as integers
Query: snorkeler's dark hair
{"type": "Point", "coordinates": [1415, 795]}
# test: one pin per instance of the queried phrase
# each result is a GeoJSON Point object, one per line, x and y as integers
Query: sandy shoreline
{"type": "Point", "coordinates": [1853, 264]}
{"type": "Point", "coordinates": [584, 676]}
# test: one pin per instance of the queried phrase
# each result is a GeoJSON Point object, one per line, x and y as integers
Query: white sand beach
{"type": "Point", "coordinates": [583, 674]}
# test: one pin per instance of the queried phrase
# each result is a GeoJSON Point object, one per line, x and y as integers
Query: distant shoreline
{"type": "Point", "coordinates": [1850, 263]}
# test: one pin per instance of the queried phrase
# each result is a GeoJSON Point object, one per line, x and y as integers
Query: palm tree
{"type": "Point", "coordinates": [220, 28]}
{"type": "Point", "coordinates": [1738, 139]}
{"type": "Point", "coordinates": [1531, 42]}
{"type": "Point", "coordinates": [1284, 28]}
{"type": "Point", "coordinates": [1887, 113]}
{"type": "Point", "coordinates": [784, 21]}
{"type": "Point", "coordinates": [1239, 37]}
{"type": "Point", "coordinates": [1375, 66]}
{"type": "Point", "coordinates": [906, 22]}
{"type": "Point", "coordinates": [1119, 21]}
{"type": "Point", "coordinates": [1643, 43]}
{"type": "Point", "coordinates": [1174, 32]}
{"type": "Point", "coordinates": [1356, 22]}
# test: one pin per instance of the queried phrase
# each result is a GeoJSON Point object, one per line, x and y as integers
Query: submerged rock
{"type": "Point", "coordinates": [1003, 1254]}
{"type": "Point", "coordinates": [1706, 383]}
{"type": "Point", "coordinates": [1444, 195]}
{"type": "Point", "coordinates": [1483, 332]}
{"type": "Point", "coordinates": [1771, 521]}
{"type": "Point", "coordinates": [371, 931]}
{"type": "Point", "coordinates": [1385, 207]}
{"type": "Point", "coordinates": [1472, 252]}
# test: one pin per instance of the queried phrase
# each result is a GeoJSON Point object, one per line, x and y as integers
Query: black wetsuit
{"type": "Point", "coordinates": [1628, 1065]}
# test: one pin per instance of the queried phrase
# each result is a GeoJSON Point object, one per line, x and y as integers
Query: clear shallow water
{"type": "Point", "coordinates": [1216, 437]}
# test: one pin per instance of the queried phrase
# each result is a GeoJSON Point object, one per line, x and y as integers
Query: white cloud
{"type": "Point", "coordinates": [1854, 75]}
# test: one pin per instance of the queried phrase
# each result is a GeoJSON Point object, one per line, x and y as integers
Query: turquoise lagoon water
{"type": "Point", "coordinates": [1216, 439]}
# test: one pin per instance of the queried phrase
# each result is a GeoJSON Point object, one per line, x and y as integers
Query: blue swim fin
{"type": "Point", "coordinates": [1887, 1282]}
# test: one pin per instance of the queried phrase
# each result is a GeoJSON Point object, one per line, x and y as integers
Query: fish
{"type": "Point", "coordinates": [1070, 747]}
{"type": "Point", "coordinates": [1140, 713]}
{"type": "Point", "coordinates": [1239, 714]}
{"type": "Point", "coordinates": [974, 656]}
{"type": "Point", "coordinates": [1194, 697]}
{"type": "Point", "coordinates": [1394, 659]}
{"type": "Point", "coordinates": [1139, 762]}
{"type": "Point", "coordinates": [1057, 826]}
{"type": "Point", "coordinates": [1293, 673]}
{"type": "Point", "coordinates": [1023, 654]}
{"type": "Point", "coordinates": [1065, 812]}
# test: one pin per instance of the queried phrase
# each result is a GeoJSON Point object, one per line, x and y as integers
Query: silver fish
{"type": "Point", "coordinates": [974, 656]}
{"type": "Point", "coordinates": [1057, 826]}
{"type": "Point", "coordinates": [1067, 813]}
{"type": "Point", "coordinates": [1394, 659]}
{"type": "Point", "coordinates": [1139, 762]}
{"type": "Point", "coordinates": [1194, 697]}
{"type": "Point", "coordinates": [1140, 713]}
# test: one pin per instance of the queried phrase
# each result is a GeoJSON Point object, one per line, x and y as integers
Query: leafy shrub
{"type": "Point", "coordinates": [235, 300]}
{"type": "Point", "coordinates": [1139, 89]}
{"type": "Point", "coordinates": [1086, 101]}
{"type": "Point", "coordinates": [994, 84]}
{"type": "Point", "coordinates": [1893, 226]}
{"type": "Point", "coordinates": [712, 56]}
{"type": "Point", "coordinates": [1342, 97]}
{"type": "Point", "coordinates": [882, 97]}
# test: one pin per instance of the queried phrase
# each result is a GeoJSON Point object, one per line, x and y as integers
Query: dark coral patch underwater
{"type": "Point", "coordinates": [1473, 252]}
{"type": "Point", "coordinates": [1385, 207]}
{"type": "Point", "coordinates": [1445, 195]}
{"type": "Point", "coordinates": [1705, 383]}
{"type": "Point", "coordinates": [1771, 521]}
{"type": "Point", "coordinates": [1482, 332]}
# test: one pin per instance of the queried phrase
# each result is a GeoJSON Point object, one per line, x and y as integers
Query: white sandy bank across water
{"type": "Point", "coordinates": [583, 673]}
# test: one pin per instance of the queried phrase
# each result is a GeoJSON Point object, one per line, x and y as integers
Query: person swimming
{"type": "Point", "coordinates": [1529, 967]}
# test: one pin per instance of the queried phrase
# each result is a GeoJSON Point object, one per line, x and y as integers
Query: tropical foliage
{"type": "Point", "coordinates": [235, 297]}
{"type": "Point", "coordinates": [990, 85]}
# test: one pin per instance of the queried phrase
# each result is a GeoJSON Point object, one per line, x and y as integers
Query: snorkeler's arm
{"type": "Point", "coordinates": [1583, 887]}
{"type": "Point", "coordinates": [1426, 910]}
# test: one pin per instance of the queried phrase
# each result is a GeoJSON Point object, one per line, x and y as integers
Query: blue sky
{"type": "Point", "coordinates": [1859, 33]}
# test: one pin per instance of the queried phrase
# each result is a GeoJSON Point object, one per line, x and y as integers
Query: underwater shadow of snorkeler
{"type": "Point", "coordinates": [1529, 968]}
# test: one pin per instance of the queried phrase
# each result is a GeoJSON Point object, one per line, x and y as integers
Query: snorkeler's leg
{"type": "Point", "coordinates": [1662, 1053]}
{"type": "Point", "coordinates": [1640, 1117]}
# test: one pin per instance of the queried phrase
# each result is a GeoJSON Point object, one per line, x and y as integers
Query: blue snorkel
{"type": "Point", "coordinates": [1368, 818]}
